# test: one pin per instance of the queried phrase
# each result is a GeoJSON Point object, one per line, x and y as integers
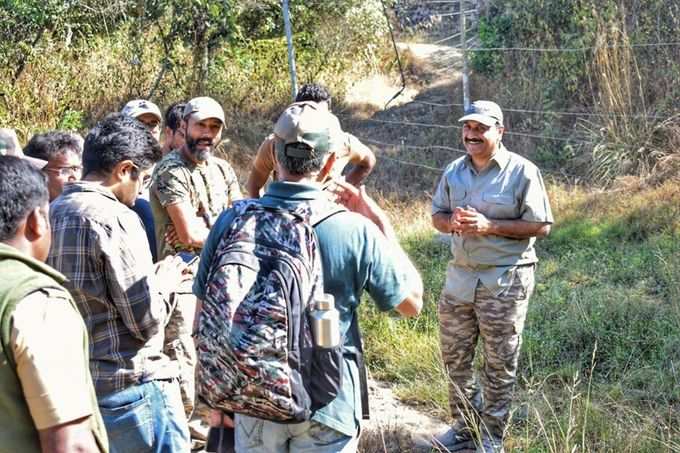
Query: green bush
{"type": "Point", "coordinates": [64, 68]}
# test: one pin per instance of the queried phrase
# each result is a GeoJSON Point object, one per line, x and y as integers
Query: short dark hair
{"type": "Point", "coordinates": [174, 114]}
{"type": "Point", "coordinates": [297, 165]}
{"type": "Point", "coordinates": [117, 138]}
{"type": "Point", "coordinates": [23, 188]}
{"type": "Point", "coordinates": [50, 144]}
{"type": "Point", "coordinates": [313, 92]}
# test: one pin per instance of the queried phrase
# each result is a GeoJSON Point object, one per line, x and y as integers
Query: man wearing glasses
{"type": "Point", "coordinates": [63, 153]}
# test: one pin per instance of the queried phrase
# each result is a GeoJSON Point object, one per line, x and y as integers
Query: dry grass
{"type": "Point", "coordinates": [645, 209]}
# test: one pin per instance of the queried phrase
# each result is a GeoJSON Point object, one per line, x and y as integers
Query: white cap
{"type": "Point", "coordinates": [139, 107]}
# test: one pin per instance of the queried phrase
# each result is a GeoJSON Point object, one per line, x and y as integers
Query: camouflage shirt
{"type": "Point", "coordinates": [210, 188]}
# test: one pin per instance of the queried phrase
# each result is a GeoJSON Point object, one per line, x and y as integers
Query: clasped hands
{"type": "Point", "coordinates": [469, 222]}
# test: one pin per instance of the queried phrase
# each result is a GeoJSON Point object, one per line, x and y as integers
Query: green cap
{"type": "Point", "coordinates": [305, 131]}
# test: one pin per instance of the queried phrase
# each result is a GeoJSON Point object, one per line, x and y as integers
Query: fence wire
{"type": "Point", "coordinates": [437, 22]}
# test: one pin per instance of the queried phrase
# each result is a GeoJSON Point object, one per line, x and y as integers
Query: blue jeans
{"type": "Point", "coordinates": [148, 417]}
{"type": "Point", "coordinates": [254, 435]}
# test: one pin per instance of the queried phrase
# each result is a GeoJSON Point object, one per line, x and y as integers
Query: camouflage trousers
{"type": "Point", "coordinates": [498, 321]}
{"type": "Point", "coordinates": [179, 346]}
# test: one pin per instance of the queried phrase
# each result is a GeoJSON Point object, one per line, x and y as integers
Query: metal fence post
{"type": "Point", "coordinates": [291, 49]}
{"type": "Point", "coordinates": [463, 45]}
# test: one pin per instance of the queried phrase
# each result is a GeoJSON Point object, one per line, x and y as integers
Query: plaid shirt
{"type": "Point", "coordinates": [100, 245]}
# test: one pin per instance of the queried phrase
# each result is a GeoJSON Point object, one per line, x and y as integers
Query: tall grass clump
{"type": "Point", "coordinates": [600, 74]}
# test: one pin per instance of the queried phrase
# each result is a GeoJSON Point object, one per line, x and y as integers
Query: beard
{"type": "Point", "coordinates": [200, 155]}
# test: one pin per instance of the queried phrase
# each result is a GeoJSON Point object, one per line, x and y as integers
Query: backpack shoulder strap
{"type": "Point", "coordinates": [361, 365]}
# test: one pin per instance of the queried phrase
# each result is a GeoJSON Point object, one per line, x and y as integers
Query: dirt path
{"type": "Point", "coordinates": [437, 74]}
{"type": "Point", "coordinates": [410, 152]}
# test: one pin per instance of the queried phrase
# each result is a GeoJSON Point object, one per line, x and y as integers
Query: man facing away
{"type": "Point", "coordinates": [359, 251]}
{"type": "Point", "coordinates": [100, 245]}
{"type": "Point", "coordinates": [347, 149]}
{"type": "Point", "coordinates": [493, 204]}
{"type": "Point", "coordinates": [63, 153]}
{"type": "Point", "coordinates": [47, 399]}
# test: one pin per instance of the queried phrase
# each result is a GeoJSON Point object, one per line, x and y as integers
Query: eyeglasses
{"type": "Point", "coordinates": [66, 171]}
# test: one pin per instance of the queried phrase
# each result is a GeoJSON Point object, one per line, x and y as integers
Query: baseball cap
{"type": "Point", "coordinates": [9, 142]}
{"type": "Point", "coordinates": [204, 107]}
{"type": "Point", "coordinates": [485, 112]}
{"type": "Point", "coordinates": [305, 123]}
{"type": "Point", "coordinates": [138, 107]}
{"type": "Point", "coordinates": [9, 146]}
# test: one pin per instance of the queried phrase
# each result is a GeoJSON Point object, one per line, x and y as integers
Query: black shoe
{"type": "Point", "coordinates": [452, 441]}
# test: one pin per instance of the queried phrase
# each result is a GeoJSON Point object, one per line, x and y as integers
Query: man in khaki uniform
{"type": "Point", "coordinates": [190, 189]}
{"type": "Point", "coordinates": [346, 148]}
{"type": "Point", "coordinates": [494, 205]}
{"type": "Point", "coordinates": [46, 392]}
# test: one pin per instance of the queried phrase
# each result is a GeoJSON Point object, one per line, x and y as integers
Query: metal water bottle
{"type": "Point", "coordinates": [325, 322]}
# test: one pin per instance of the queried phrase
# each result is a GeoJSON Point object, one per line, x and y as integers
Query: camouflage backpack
{"type": "Point", "coordinates": [256, 354]}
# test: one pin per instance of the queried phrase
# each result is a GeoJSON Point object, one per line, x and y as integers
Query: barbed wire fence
{"type": "Point", "coordinates": [452, 25]}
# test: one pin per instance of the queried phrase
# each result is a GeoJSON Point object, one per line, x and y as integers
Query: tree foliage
{"type": "Point", "coordinates": [80, 58]}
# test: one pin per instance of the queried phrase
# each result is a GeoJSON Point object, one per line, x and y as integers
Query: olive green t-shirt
{"type": "Point", "coordinates": [210, 188]}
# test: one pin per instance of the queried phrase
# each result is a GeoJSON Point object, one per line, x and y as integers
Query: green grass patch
{"type": "Point", "coordinates": [600, 362]}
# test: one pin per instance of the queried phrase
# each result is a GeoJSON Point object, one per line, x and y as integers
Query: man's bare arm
{"type": "Point", "coordinates": [189, 228]}
{"type": "Point", "coordinates": [519, 229]}
{"type": "Point", "coordinates": [442, 222]}
{"type": "Point", "coordinates": [74, 436]}
{"type": "Point", "coordinates": [256, 181]}
{"type": "Point", "coordinates": [473, 222]}
{"type": "Point", "coordinates": [357, 200]}
{"type": "Point", "coordinates": [263, 166]}
{"type": "Point", "coordinates": [362, 159]}
{"type": "Point", "coordinates": [411, 306]}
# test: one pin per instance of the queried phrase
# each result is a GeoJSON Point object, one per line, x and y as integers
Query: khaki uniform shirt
{"type": "Point", "coordinates": [210, 188]}
{"type": "Point", "coordinates": [509, 188]}
{"type": "Point", "coordinates": [55, 380]}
